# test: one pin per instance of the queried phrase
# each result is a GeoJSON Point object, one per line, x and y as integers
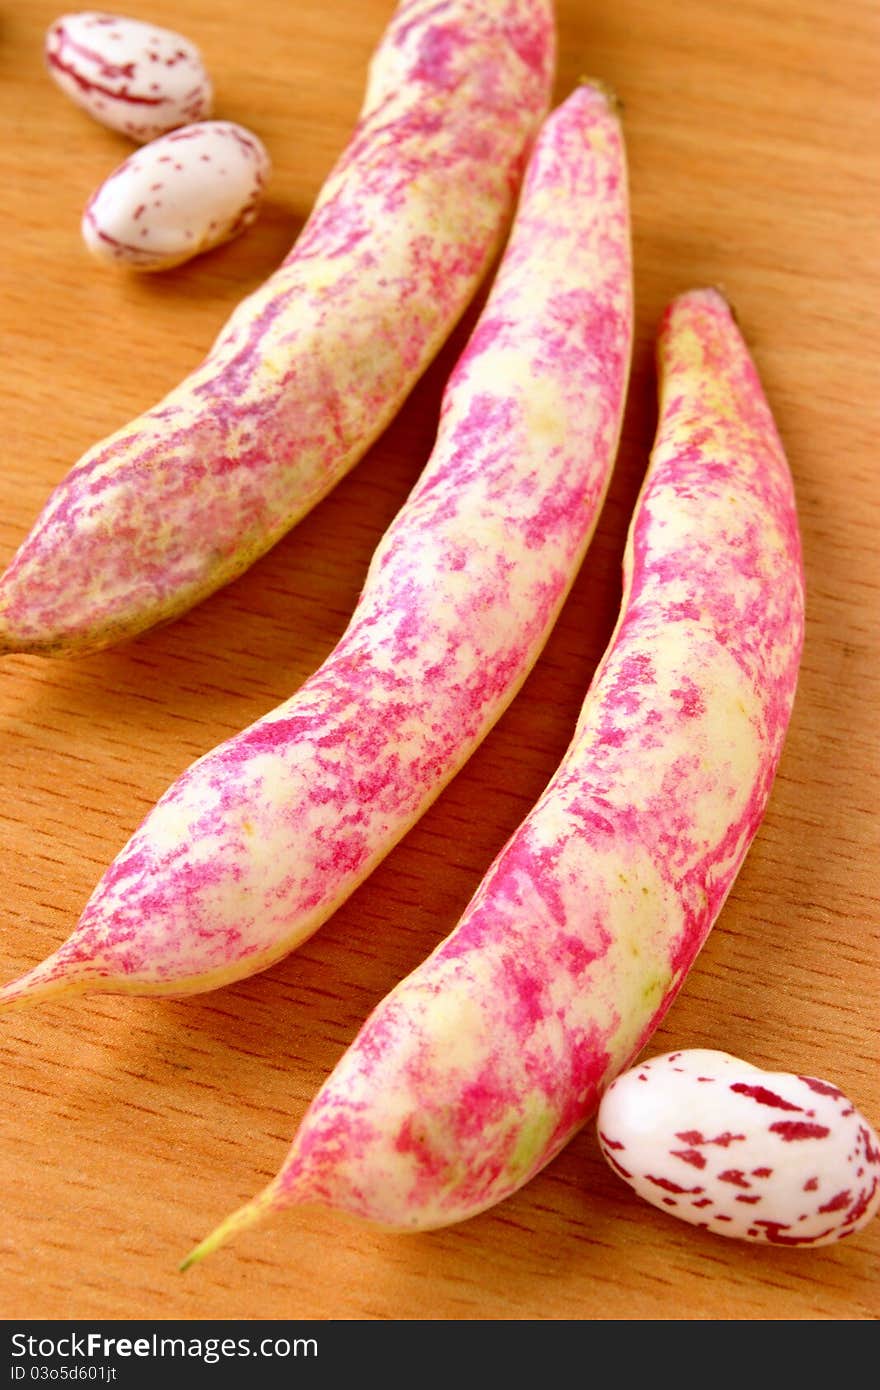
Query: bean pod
{"type": "Point", "coordinates": [180, 195]}
{"type": "Point", "coordinates": [480, 1065]}
{"type": "Point", "coordinates": [768, 1157]}
{"type": "Point", "coordinates": [261, 839]}
{"type": "Point", "coordinates": [134, 77]}
{"type": "Point", "coordinates": [313, 365]}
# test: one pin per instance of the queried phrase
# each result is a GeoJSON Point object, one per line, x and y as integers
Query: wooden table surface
{"type": "Point", "coordinates": [130, 1126]}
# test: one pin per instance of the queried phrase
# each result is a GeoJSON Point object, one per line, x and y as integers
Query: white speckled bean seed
{"type": "Point", "coordinates": [134, 77]}
{"type": "Point", "coordinates": [760, 1156]}
{"type": "Point", "coordinates": [178, 196]}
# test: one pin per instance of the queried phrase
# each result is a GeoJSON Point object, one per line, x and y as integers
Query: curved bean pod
{"type": "Point", "coordinates": [311, 368]}
{"type": "Point", "coordinates": [479, 1066]}
{"type": "Point", "coordinates": [261, 839]}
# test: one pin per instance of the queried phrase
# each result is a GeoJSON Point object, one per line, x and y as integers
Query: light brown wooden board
{"type": "Point", "coordinates": [130, 1127]}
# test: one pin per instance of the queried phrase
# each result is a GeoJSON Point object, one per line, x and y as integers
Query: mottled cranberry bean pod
{"type": "Point", "coordinates": [312, 366]}
{"type": "Point", "coordinates": [180, 195]}
{"type": "Point", "coordinates": [480, 1065]}
{"type": "Point", "coordinates": [768, 1157]}
{"type": "Point", "coordinates": [258, 842]}
{"type": "Point", "coordinates": [134, 77]}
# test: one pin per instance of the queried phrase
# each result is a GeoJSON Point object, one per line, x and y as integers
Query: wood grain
{"type": "Point", "coordinates": [129, 1127]}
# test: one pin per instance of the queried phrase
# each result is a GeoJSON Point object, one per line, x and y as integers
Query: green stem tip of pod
{"type": "Point", "coordinates": [239, 1220]}
{"type": "Point", "coordinates": [613, 100]}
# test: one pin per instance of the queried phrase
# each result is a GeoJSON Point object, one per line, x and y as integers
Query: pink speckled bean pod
{"type": "Point", "coordinates": [483, 1062]}
{"type": "Point", "coordinates": [309, 369]}
{"type": "Point", "coordinates": [769, 1157]}
{"type": "Point", "coordinates": [258, 842]}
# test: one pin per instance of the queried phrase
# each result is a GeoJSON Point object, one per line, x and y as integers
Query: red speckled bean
{"type": "Point", "coordinates": [767, 1157]}
{"type": "Point", "coordinates": [177, 197]}
{"type": "Point", "coordinates": [258, 842]}
{"type": "Point", "coordinates": [134, 77]}
{"type": "Point", "coordinates": [310, 368]}
{"type": "Point", "coordinates": [485, 1060]}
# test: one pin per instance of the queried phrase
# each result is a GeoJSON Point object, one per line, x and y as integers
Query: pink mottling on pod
{"type": "Point", "coordinates": [105, 63]}
{"type": "Point", "coordinates": [314, 364]}
{"type": "Point", "coordinates": [680, 794]}
{"type": "Point", "coordinates": [260, 840]}
{"type": "Point", "coordinates": [200, 209]}
{"type": "Point", "coordinates": [834, 1163]}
